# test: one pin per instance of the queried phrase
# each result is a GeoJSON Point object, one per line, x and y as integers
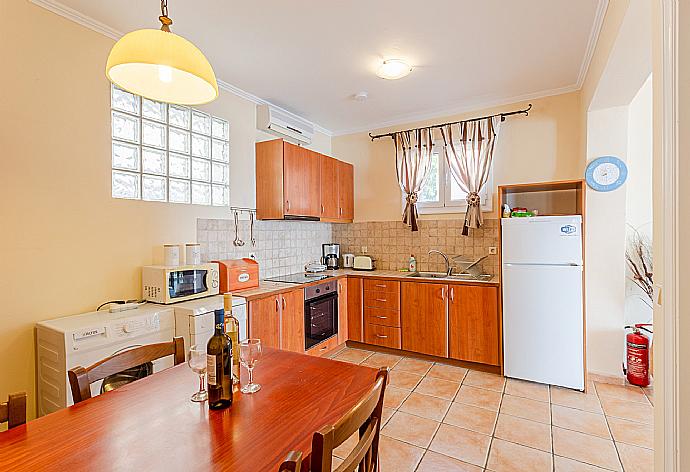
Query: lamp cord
{"type": "Point", "coordinates": [166, 22]}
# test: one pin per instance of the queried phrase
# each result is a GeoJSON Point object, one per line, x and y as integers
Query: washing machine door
{"type": "Point", "coordinates": [126, 376]}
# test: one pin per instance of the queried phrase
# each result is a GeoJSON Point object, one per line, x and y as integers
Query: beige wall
{"type": "Point", "coordinates": [65, 244]}
{"type": "Point", "coordinates": [541, 147]}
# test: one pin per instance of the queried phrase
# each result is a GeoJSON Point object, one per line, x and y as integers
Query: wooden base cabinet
{"type": "Point", "coordinates": [278, 320]}
{"type": "Point", "coordinates": [342, 310]}
{"type": "Point", "coordinates": [264, 320]}
{"type": "Point", "coordinates": [355, 322]}
{"type": "Point", "coordinates": [473, 324]}
{"type": "Point", "coordinates": [424, 318]}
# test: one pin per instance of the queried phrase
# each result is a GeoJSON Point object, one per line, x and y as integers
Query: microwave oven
{"type": "Point", "coordinates": [168, 284]}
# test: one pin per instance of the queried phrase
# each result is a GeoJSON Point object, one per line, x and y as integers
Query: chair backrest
{"type": "Point", "coordinates": [80, 378]}
{"type": "Point", "coordinates": [292, 463]}
{"type": "Point", "coordinates": [13, 411]}
{"type": "Point", "coordinates": [364, 417]}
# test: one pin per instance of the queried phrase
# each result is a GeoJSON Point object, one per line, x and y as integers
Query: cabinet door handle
{"type": "Point", "coordinates": [277, 305]}
{"type": "Point", "coordinates": [381, 317]}
{"type": "Point", "coordinates": [341, 210]}
{"type": "Point", "coordinates": [381, 285]}
{"type": "Point", "coordinates": [323, 348]}
{"type": "Point", "coordinates": [452, 294]}
{"type": "Point", "coordinates": [322, 210]}
{"type": "Point", "coordinates": [288, 205]}
{"type": "Point", "coordinates": [381, 300]}
{"type": "Point", "coordinates": [443, 293]}
{"type": "Point", "coordinates": [381, 336]}
{"type": "Point", "coordinates": [284, 303]}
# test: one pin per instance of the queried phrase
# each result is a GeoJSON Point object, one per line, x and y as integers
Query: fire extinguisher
{"type": "Point", "coordinates": [637, 354]}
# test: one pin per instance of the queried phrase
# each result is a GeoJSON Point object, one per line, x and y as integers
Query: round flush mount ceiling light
{"type": "Point", "coordinates": [394, 69]}
{"type": "Point", "coordinates": [162, 66]}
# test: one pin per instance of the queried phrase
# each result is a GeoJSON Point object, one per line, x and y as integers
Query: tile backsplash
{"type": "Point", "coordinates": [282, 247]}
{"type": "Point", "coordinates": [391, 243]}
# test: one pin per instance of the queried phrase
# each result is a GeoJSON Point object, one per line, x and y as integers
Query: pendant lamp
{"type": "Point", "coordinates": [162, 66]}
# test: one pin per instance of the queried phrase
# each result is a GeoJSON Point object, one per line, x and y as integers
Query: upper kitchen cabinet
{"type": "Point", "coordinates": [295, 182]}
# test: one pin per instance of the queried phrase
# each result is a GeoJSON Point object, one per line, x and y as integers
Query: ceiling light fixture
{"type": "Point", "coordinates": [394, 69]}
{"type": "Point", "coordinates": [162, 66]}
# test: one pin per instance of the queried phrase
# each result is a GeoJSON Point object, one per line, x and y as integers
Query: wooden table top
{"type": "Point", "coordinates": [152, 425]}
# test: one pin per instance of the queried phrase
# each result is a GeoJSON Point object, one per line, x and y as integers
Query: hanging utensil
{"type": "Point", "coordinates": [251, 228]}
{"type": "Point", "coordinates": [237, 241]}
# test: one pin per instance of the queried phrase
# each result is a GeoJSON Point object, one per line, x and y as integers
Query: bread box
{"type": "Point", "coordinates": [238, 274]}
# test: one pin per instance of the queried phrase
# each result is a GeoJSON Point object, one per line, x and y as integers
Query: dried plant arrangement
{"type": "Point", "coordinates": [638, 255]}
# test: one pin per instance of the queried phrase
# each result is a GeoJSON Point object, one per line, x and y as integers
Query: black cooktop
{"type": "Point", "coordinates": [299, 278]}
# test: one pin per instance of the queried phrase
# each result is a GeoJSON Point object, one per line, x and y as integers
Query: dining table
{"type": "Point", "coordinates": [152, 425]}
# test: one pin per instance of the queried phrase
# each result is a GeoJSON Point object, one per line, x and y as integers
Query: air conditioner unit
{"type": "Point", "coordinates": [283, 125]}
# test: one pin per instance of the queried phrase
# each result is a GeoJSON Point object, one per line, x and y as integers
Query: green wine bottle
{"type": "Point", "coordinates": [219, 366]}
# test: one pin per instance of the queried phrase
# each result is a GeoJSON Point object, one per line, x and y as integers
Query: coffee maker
{"type": "Point", "coordinates": [331, 256]}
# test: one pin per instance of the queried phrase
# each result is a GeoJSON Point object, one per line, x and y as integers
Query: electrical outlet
{"type": "Point", "coordinates": [364, 249]}
{"type": "Point", "coordinates": [493, 251]}
{"type": "Point", "coordinates": [252, 255]}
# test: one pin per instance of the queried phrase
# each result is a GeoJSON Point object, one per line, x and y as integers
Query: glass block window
{"type": "Point", "coordinates": [168, 153]}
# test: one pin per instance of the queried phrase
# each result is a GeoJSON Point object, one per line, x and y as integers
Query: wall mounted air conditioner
{"type": "Point", "coordinates": [283, 125]}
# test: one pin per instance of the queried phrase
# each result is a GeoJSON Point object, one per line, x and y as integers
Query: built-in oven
{"type": "Point", "coordinates": [320, 312]}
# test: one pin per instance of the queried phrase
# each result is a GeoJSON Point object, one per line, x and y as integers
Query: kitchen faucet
{"type": "Point", "coordinates": [449, 268]}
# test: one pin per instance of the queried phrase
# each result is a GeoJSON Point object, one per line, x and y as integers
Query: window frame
{"type": "Point", "coordinates": [445, 204]}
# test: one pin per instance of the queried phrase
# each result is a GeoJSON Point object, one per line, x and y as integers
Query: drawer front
{"type": "Point", "coordinates": [385, 336]}
{"type": "Point", "coordinates": [389, 286]}
{"type": "Point", "coordinates": [388, 300]}
{"type": "Point", "coordinates": [324, 347]}
{"type": "Point", "coordinates": [380, 316]}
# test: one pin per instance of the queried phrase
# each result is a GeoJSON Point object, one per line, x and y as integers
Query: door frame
{"type": "Point", "coordinates": [670, 159]}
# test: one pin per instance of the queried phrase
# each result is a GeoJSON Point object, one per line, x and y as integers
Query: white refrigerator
{"type": "Point", "coordinates": [543, 326]}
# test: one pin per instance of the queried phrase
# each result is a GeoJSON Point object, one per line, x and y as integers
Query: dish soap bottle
{"type": "Point", "coordinates": [413, 264]}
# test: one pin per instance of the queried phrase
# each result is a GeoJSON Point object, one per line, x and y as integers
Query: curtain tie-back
{"type": "Point", "coordinates": [473, 199]}
{"type": "Point", "coordinates": [412, 198]}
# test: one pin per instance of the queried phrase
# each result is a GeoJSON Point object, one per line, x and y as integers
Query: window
{"type": "Point", "coordinates": [440, 192]}
{"type": "Point", "coordinates": [168, 153]}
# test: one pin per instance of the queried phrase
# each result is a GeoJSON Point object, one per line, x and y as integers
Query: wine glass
{"type": "Point", "coordinates": [250, 353]}
{"type": "Point", "coordinates": [197, 362]}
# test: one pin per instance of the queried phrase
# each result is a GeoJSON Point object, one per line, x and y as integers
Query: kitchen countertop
{"type": "Point", "coordinates": [267, 288]}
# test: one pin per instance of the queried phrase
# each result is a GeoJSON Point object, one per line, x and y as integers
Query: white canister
{"type": "Point", "coordinates": [348, 260]}
{"type": "Point", "coordinates": [193, 254]}
{"type": "Point", "coordinates": [171, 255]}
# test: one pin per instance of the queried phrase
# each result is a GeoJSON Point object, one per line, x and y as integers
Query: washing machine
{"type": "Point", "coordinates": [194, 320]}
{"type": "Point", "coordinates": [82, 340]}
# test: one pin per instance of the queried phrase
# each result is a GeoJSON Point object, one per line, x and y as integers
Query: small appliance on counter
{"type": "Point", "coordinates": [163, 284]}
{"type": "Point", "coordinates": [348, 260]}
{"type": "Point", "coordinates": [238, 274]}
{"type": "Point", "coordinates": [364, 263]}
{"type": "Point", "coordinates": [331, 255]}
{"type": "Point", "coordinates": [314, 267]}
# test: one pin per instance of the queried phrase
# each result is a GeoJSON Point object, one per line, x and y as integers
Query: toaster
{"type": "Point", "coordinates": [364, 263]}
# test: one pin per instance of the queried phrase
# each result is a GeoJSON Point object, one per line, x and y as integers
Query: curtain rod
{"type": "Point", "coordinates": [502, 115]}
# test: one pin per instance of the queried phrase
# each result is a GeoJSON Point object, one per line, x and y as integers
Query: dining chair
{"type": "Point", "coordinates": [13, 411]}
{"type": "Point", "coordinates": [292, 463]}
{"type": "Point", "coordinates": [364, 417]}
{"type": "Point", "coordinates": [81, 378]}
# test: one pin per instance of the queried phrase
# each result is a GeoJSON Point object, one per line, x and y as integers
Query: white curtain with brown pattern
{"type": "Point", "coordinates": [413, 160]}
{"type": "Point", "coordinates": [469, 148]}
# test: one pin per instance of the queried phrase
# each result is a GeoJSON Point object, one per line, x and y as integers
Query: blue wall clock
{"type": "Point", "coordinates": [606, 173]}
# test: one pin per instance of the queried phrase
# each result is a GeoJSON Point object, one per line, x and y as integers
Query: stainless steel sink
{"type": "Point", "coordinates": [442, 275]}
{"type": "Point", "coordinates": [433, 275]}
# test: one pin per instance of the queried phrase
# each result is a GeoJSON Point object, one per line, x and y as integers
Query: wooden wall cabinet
{"type": "Point", "coordinates": [292, 181]}
{"type": "Point", "coordinates": [278, 320]}
{"type": "Point", "coordinates": [473, 323]}
{"type": "Point", "coordinates": [424, 318]}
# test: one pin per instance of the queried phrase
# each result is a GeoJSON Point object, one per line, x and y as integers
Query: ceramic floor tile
{"type": "Point", "coordinates": [386, 415]}
{"type": "Point", "coordinates": [405, 380]}
{"type": "Point", "coordinates": [636, 459]}
{"type": "Point", "coordinates": [526, 408]}
{"type": "Point", "coordinates": [447, 372]}
{"type": "Point", "coordinates": [479, 397]}
{"type": "Point", "coordinates": [523, 388]}
{"type": "Point", "coordinates": [622, 392]}
{"type": "Point", "coordinates": [574, 399]}
{"type": "Point", "coordinates": [629, 432]}
{"type": "Point", "coordinates": [426, 406]}
{"type": "Point", "coordinates": [470, 417]}
{"type": "Point", "coordinates": [485, 380]}
{"type": "Point", "coordinates": [462, 444]}
{"type": "Point", "coordinates": [578, 420]}
{"type": "Point", "coordinates": [416, 366]}
{"type": "Point", "coordinates": [509, 457]}
{"type": "Point", "coordinates": [354, 356]}
{"type": "Point", "coordinates": [438, 388]}
{"type": "Point", "coordinates": [585, 448]}
{"type": "Point", "coordinates": [411, 429]}
{"type": "Point", "coordinates": [640, 412]}
{"type": "Point", "coordinates": [435, 462]}
{"type": "Point", "coordinates": [563, 464]}
{"type": "Point", "coordinates": [382, 360]}
{"type": "Point", "coordinates": [398, 456]}
{"type": "Point", "coordinates": [393, 397]}
{"type": "Point", "coordinates": [524, 432]}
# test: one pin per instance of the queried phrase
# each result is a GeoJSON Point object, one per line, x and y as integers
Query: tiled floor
{"type": "Point", "coordinates": [439, 417]}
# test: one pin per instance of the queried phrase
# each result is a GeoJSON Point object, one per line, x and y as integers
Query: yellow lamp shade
{"type": "Point", "coordinates": [162, 66]}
